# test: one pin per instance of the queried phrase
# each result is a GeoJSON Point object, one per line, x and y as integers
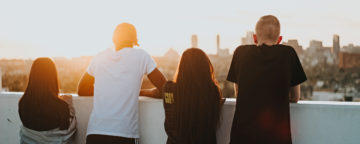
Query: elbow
{"type": "Point", "coordinates": [294, 101]}
{"type": "Point", "coordinates": [82, 92]}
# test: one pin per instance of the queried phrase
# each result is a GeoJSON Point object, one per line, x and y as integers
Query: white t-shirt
{"type": "Point", "coordinates": [118, 77]}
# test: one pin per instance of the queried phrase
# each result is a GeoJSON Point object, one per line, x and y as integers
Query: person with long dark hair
{"type": "Point", "coordinates": [46, 117]}
{"type": "Point", "coordinates": [192, 102]}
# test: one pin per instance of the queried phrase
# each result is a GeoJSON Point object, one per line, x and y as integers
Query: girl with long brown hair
{"type": "Point", "coordinates": [192, 102]}
{"type": "Point", "coordinates": [41, 110]}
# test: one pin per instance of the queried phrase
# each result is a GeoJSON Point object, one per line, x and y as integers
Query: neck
{"type": "Point", "coordinates": [120, 47]}
{"type": "Point", "coordinates": [266, 43]}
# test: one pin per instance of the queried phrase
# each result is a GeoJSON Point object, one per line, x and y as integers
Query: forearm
{"type": "Point", "coordinates": [294, 95]}
{"type": "Point", "coordinates": [85, 89]}
{"type": "Point", "coordinates": [85, 92]}
{"type": "Point", "coordinates": [153, 93]}
{"type": "Point", "coordinates": [157, 79]}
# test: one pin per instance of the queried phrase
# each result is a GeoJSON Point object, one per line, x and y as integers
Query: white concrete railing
{"type": "Point", "coordinates": [312, 122]}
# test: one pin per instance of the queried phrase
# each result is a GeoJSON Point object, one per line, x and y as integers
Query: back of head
{"type": "Point", "coordinates": [194, 63]}
{"type": "Point", "coordinates": [125, 35]}
{"type": "Point", "coordinates": [43, 86]}
{"type": "Point", "coordinates": [198, 97]}
{"type": "Point", "coordinates": [267, 29]}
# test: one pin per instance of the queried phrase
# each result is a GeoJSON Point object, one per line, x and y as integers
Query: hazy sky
{"type": "Point", "coordinates": [32, 28]}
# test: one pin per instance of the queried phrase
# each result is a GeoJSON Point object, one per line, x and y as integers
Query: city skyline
{"type": "Point", "coordinates": [81, 28]}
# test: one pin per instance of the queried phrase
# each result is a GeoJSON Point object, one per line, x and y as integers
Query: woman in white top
{"type": "Point", "coordinates": [114, 78]}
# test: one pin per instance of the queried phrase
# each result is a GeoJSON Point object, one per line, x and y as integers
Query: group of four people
{"type": "Point", "coordinates": [267, 77]}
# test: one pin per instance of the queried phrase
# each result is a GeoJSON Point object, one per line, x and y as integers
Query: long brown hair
{"type": "Point", "coordinates": [197, 98]}
{"type": "Point", "coordinates": [43, 87]}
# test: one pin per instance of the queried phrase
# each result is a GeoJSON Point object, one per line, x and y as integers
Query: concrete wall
{"type": "Point", "coordinates": [312, 122]}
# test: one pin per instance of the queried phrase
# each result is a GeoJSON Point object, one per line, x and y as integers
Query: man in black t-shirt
{"type": "Point", "coordinates": [267, 77]}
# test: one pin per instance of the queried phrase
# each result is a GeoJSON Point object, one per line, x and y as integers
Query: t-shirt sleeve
{"type": "Point", "coordinates": [234, 69]}
{"type": "Point", "coordinates": [298, 75]}
{"type": "Point", "coordinates": [90, 70]}
{"type": "Point", "coordinates": [150, 64]}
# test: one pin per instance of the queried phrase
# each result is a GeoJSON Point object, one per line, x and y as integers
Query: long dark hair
{"type": "Point", "coordinates": [197, 98]}
{"type": "Point", "coordinates": [42, 92]}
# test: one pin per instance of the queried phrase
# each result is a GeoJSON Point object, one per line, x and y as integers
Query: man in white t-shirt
{"type": "Point", "coordinates": [114, 78]}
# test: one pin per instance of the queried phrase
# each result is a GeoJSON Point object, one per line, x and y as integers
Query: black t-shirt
{"type": "Point", "coordinates": [264, 75]}
{"type": "Point", "coordinates": [169, 96]}
{"type": "Point", "coordinates": [169, 107]}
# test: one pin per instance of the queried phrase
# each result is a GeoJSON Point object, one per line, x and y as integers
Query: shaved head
{"type": "Point", "coordinates": [268, 29]}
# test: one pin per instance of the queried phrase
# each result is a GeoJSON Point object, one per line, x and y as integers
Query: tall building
{"type": "Point", "coordinates": [336, 45]}
{"type": "Point", "coordinates": [221, 52]}
{"type": "Point", "coordinates": [248, 39]}
{"type": "Point", "coordinates": [217, 42]}
{"type": "Point", "coordinates": [194, 41]}
{"type": "Point", "coordinates": [294, 43]}
{"type": "Point", "coordinates": [0, 80]}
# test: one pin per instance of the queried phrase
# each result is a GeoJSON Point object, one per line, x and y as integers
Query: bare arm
{"type": "Point", "coordinates": [294, 95]}
{"type": "Point", "coordinates": [86, 85]}
{"type": "Point", "coordinates": [158, 79]}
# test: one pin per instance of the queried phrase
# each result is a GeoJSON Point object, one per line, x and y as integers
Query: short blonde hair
{"type": "Point", "coordinates": [125, 34]}
{"type": "Point", "coordinates": [268, 28]}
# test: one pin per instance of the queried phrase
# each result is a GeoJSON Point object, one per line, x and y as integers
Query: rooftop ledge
{"type": "Point", "coordinates": [312, 122]}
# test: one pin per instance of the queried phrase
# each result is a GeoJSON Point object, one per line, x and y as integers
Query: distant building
{"type": "Point", "coordinates": [336, 45]}
{"type": "Point", "coordinates": [314, 46]}
{"type": "Point", "coordinates": [248, 39]}
{"type": "Point", "coordinates": [0, 80]}
{"type": "Point", "coordinates": [328, 55]}
{"type": "Point", "coordinates": [318, 54]}
{"type": "Point", "coordinates": [194, 41]}
{"type": "Point", "coordinates": [217, 41]}
{"type": "Point", "coordinates": [349, 60]}
{"type": "Point", "coordinates": [221, 52]}
{"type": "Point", "coordinates": [351, 48]}
{"type": "Point", "coordinates": [294, 43]}
{"type": "Point", "coordinates": [172, 54]}
{"type": "Point", "coordinates": [168, 63]}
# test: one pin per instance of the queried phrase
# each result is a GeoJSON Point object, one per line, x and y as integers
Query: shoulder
{"type": "Point", "coordinates": [104, 52]}
{"type": "Point", "coordinates": [286, 48]}
{"type": "Point", "coordinates": [243, 49]}
{"type": "Point", "coordinates": [101, 54]}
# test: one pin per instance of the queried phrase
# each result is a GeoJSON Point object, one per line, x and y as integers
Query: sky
{"type": "Point", "coordinates": [72, 28]}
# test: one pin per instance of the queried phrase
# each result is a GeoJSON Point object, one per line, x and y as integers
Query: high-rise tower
{"type": "Point", "coordinates": [336, 45]}
{"type": "Point", "coordinates": [194, 41]}
{"type": "Point", "coordinates": [0, 80]}
{"type": "Point", "coordinates": [217, 42]}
